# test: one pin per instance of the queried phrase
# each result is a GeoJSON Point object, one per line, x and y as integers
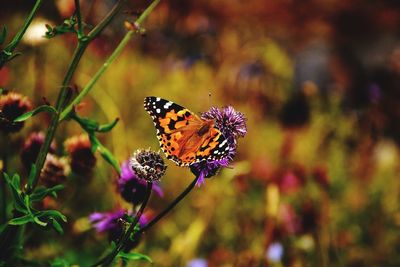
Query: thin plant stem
{"type": "Point", "coordinates": [79, 18]}
{"type": "Point", "coordinates": [106, 64]}
{"type": "Point", "coordinates": [62, 97]}
{"type": "Point", "coordinates": [107, 260]}
{"type": "Point", "coordinates": [17, 38]}
{"type": "Point", "coordinates": [170, 206]}
{"type": "Point", "coordinates": [96, 77]}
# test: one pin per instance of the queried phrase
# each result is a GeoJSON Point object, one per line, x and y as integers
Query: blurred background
{"type": "Point", "coordinates": [316, 179]}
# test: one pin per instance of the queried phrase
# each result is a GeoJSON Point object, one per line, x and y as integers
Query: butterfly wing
{"type": "Point", "coordinates": [183, 136]}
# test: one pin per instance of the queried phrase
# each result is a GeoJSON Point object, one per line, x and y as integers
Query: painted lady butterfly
{"type": "Point", "coordinates": [184, 137]}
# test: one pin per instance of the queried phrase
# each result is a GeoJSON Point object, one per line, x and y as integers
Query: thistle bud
{"type": "Point", "coordinates": [82, 159]}
{"type": "Point", "coordinates": [54, 172]}
{"type": "Point", "coordinates": [12, 105]}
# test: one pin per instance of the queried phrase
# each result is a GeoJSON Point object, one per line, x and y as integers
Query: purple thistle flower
{"type": "Point", "coordinates": [114, 223]}
{"type": "Point", "coordinates": [131, 187]}
{"type": "Point", "coordinates": [232, 125]}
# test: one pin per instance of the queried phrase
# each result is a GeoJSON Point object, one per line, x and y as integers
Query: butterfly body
{"type": "Point", "coordinates": [184, 137]}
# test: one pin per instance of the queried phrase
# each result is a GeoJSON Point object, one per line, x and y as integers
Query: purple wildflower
{"type": "Point", "coordinates": [114, 223]}
{"type": "Point", "coordinates": [131, 187]}
{"type": "Point", "coordinates": [232, 124]}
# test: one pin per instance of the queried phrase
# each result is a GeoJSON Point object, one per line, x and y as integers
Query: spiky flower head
{"type": "Point", "coordinates": [232, 125]}
{"type": "Point", "coordinates": [82, 159]}
{"type": "Point", "coordinates": [31, 148]}
{"type": "Point", "coordinates": [131, 187]}
{"type": "Point", "coordinates": [148, 165]}
{"type": "Point", "coordinates": [12, 105]}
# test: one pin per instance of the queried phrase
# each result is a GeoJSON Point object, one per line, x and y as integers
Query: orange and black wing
{"type": "Point", "coordinates": [178, 131]}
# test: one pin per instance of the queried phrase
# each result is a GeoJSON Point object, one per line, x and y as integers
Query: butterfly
{"type": "Point", "coordinates": [184, 137]}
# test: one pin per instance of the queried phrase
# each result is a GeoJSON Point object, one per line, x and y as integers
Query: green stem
{"type": "Point", "coordinates": [62, 96]}
{"type": "Point", "coordinates": [146, 13]}
{"type": "Point", "coordinates": [96, 77]}
{"type": "Point", "coordinates": [170, 206]}
{"type": "Point", "coordinates": [107, 260]}
{"type": "Point", "coordinates": [79, 19]}
{"type": "Point", "coordinates": [17, 38]}
{"type": "Point", "coordinates": [106, 64]}
{"type": "Point", "coordinates": [99, 28]}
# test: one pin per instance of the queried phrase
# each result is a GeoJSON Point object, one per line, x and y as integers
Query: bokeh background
{"type": "Point", "coordinates": [316, 179]}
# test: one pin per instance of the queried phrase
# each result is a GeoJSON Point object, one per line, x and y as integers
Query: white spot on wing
{"type": "Point", "coordinates": [167, 105]}
{"type": "Point", "coordinates": [158, 110]}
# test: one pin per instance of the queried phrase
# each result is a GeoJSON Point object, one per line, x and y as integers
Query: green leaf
{"type": "Point", "coordinates": [104, 152]}
{"type": "Point", "coordinates": [21, 220]}
{"type": "Point", "coordinates": [57, 226]}
{"type": "Point", "coordinates": [107, 127]}
{"type": "Point", "coordinates": [39, 222]}
{"type": "Point", "coordinates": [3, 35]}
{"type": "Point", "coordinates": [67, 26]}
{"type": "Point", "coordinates": [59, 263]}
{"type": "Point", "coordinates": [42, 192]}
{"type": "Point", "coordinates": [43, 108]}
{"type": "Point", "coordinates": [133, 256]}
{"type": "Point", "coordinates": [31, 176]}
{"type": "Point", "coordinates": [14, 185]}
{"type": "Point", "coordinates": [88, 125]}
{"type": "Point", "coordinates": [55, 214]}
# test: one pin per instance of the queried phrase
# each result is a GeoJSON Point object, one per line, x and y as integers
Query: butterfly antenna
{"type": "Point", "coordinates": [209, 98]}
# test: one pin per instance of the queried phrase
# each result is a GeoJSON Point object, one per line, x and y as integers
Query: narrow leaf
{"type": "Point", "coordinates": [21, 220]}
{"type": "Point", "coordinates": [31, 176]}
{"type": "Point", "coordinates": [16, 182]}
{"type": "Point", "coordinates": [107, 127]}
{"type": "Point", "coordinates": [104, 152]}
{"type": "Point", "coordinates": [55, 214]}
{"type": "Point", "coordinates": [57, 226]}
{"type": "Point", "coordinates": [13, 184]}
{"type": "Point", "coordinates": [43, 108]}
{"type": "Point", "coordinates": [42, 192]}
{"type": "Point", "coordinates": [59, 263]}
{"type": "Point", "coordinates": [39, 222]}
{"type": "Point", "coordinates": [133, 256]}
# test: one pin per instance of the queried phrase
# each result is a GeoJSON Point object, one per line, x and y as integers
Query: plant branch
{"type": "Point", "coordinates": [100, 27]}
{"type": "Point", "coordinates": [106, 64]}
{"type": "Point", "coordinates": [170, 206]}
{"type": "Point", "coordinates": [107, 260]}
{"type": "Point", "coordinates": [62, 96]}
{"type": "Point", "coordinates": [79, 19]}
{"type": "Point", "coordinates": [17, 38]}
{"type": "Point", "coordinates": [96, 77]}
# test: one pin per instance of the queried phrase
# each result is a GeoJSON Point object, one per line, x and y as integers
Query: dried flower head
{"type": "Point", "coordinates": [82, 159]}
{"type": "Point", "coordinates": [232, 125]}
{"type": "Point", "coordinates": [12, 105]}
{"type": "Point", "coordinates": [31, 148]}
{"type": "Point", "coordinates": [114, 223]}
{"type": "Point", "coordinates": [131, 187]}
{"type": "Point", "coordinates": [148, 165]}
{"type": "Point", "coordinates": [55, 171]}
